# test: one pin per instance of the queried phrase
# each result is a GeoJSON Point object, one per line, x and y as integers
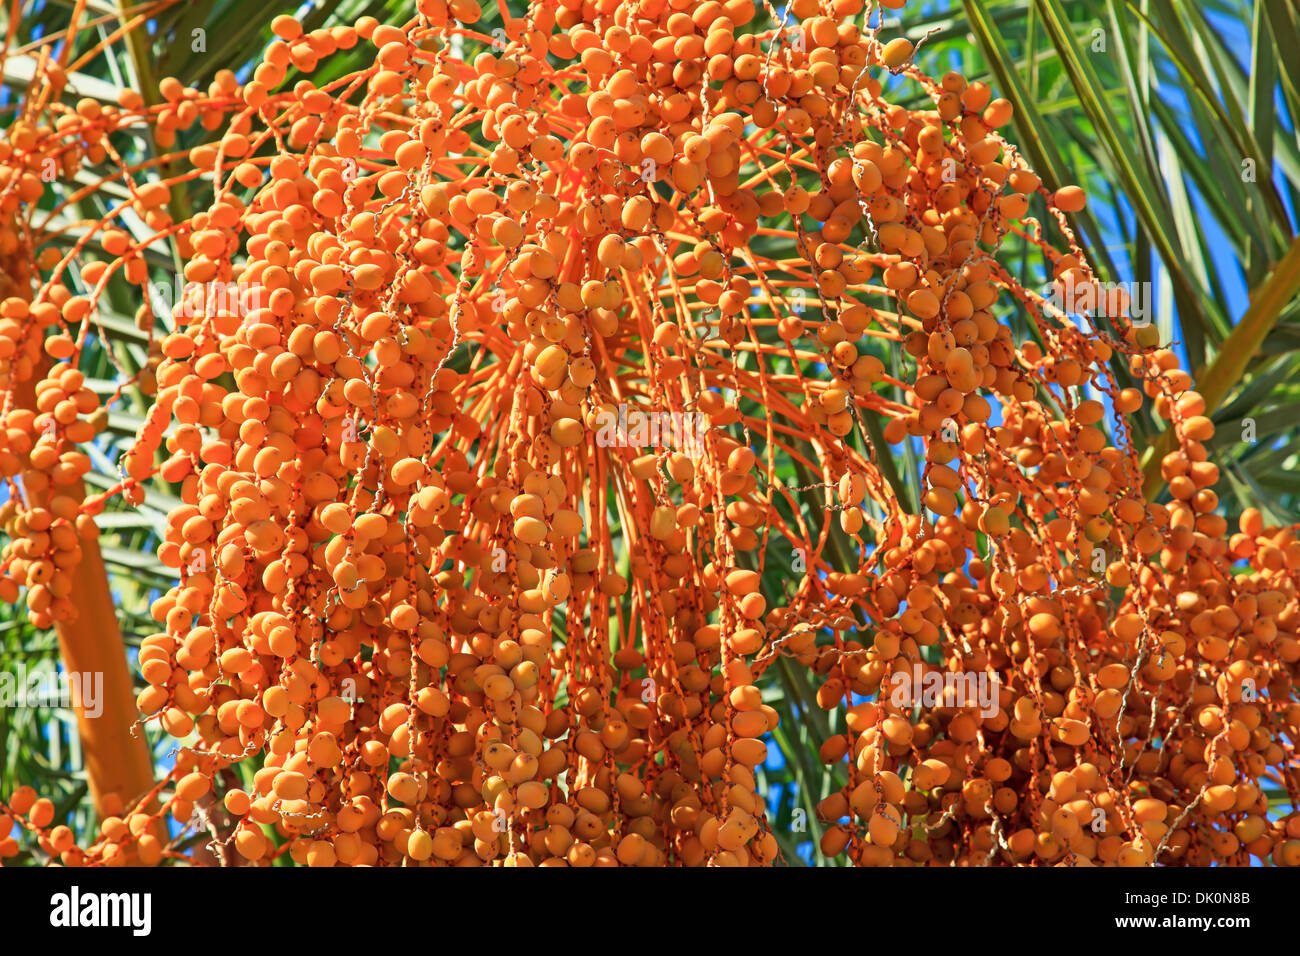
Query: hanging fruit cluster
{"type": "Point", "coordinates": [453, 621]}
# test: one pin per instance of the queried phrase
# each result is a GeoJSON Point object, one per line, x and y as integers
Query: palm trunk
{"type": "Point", "coordinates": [117, 762]}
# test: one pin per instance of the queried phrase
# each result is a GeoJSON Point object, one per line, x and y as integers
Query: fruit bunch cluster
{"type": "Point", "coordinates": [453, 626]}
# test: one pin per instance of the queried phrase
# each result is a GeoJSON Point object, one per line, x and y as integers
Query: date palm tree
{"type": "Point", "coordinates": [1179, 118]}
